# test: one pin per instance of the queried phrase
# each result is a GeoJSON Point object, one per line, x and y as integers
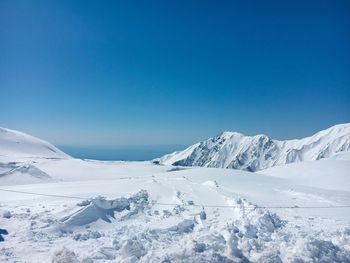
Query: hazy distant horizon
{"type": "Point", "coordinates": [120, 152]}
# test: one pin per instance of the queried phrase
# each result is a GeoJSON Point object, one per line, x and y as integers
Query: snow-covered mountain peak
{"type": "Point", "coordinates": [18, 144]}
{"type": "Point", "coordinates": [229, 134]}
{"type": "Point", "coordinates": [252, 153]}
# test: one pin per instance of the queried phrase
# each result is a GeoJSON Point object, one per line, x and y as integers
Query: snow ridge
{"type": "Point", "coordinates": [252, 153]}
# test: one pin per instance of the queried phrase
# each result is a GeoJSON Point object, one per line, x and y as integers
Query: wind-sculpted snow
{"type": "Point", "coordinates": [101, 208]}
{"type": "Point", "coordinates": [137, 229]}
{"type": "Point", "coordinates": [236, 151]}
{"type": "Point", "coordinates": [21, 173]}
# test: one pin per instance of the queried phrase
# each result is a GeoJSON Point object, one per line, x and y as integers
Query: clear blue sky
{"type": "Point", "coordinates": [172, 72]}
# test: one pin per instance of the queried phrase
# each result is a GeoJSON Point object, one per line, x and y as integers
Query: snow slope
{"type": "Point", "coordinates": [21, 173]}
{"type": "Point", "coordinates": [17, 144]}
{"type": "Point", "coordinates": [236, 151]}
{"type": "Point", "coordinates": [332, 173]}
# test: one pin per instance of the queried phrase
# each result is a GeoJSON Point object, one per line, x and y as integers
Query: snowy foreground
{"type": "Point", "coordinates": [157, 213]}
{"type": "Point", "coordinates": [97, 211]}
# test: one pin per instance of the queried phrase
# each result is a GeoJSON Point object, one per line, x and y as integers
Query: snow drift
{"type": "Point", "coordinates": [101, 208]}
{"type": "Point", "coordinates": [21, 173]}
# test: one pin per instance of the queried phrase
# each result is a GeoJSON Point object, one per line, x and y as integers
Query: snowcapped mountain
{"type": "Point", "coordinates": [17, 144]}
{"type": "Point", "coordinates": [252, 153]}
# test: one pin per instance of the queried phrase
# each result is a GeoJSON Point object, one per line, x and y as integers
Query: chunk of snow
{"type": "Point", "coordinates": [7, 214]}
{"type": "Point", "coordinates": [186, 226]}
{"type": "Point", "coordinates": [64, 256]}
{"type": "Point", "coordinates": [101, 208]}
{"type": "Point", "coordinates": [133, 248]}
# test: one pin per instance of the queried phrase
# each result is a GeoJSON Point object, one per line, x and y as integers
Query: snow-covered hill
{"type": "Point", "coordinates": [15, 144]}
{"type": "Point", "coordinates": [253, 153]}
{"type": "Point", "coordinates": [330, 173]}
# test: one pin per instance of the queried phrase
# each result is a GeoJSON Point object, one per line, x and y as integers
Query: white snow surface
{"type": "Point", "coordinates": [332, 173]}
{"type": "Point", "coordinates": [253, 153]}
{"type": "Point", "coordinates": [18, 144]}
{"type": "Point", "coordinates": [97, 211]}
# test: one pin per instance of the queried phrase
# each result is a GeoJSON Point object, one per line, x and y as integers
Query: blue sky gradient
{"type": "Point", "coordinates": [117, 73]}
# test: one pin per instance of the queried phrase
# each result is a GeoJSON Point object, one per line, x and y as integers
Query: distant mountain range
{"type": "Point", "coordinates": [227, 150]}
{"type": "Point", "coordinates": [252, 153]}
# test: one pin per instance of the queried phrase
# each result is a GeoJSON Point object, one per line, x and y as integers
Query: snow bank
{"type": "Point", "coordinates": [21, 173]}
{"type": "Point", "coordinates": [101, 208]}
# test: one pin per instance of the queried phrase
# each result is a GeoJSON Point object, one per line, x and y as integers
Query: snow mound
{"type": "Point", "coordinates": [19, 173]}
{"type": "Point", "coordinates": [101, 208]}
{"type": "Point", "coordinates": [65, 256]}
{"type": "Point", "coordinates": [252, 153]}
{"type": "Point", "coordinates": [133, 249]}
{"type": "Point", "coordinates": [185, 226]}
{"type": "Point", "coordinates": [17, 144]}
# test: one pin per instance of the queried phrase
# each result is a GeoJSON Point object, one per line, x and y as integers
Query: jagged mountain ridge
{"type": "Point", "coordinates": [252, 153]}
